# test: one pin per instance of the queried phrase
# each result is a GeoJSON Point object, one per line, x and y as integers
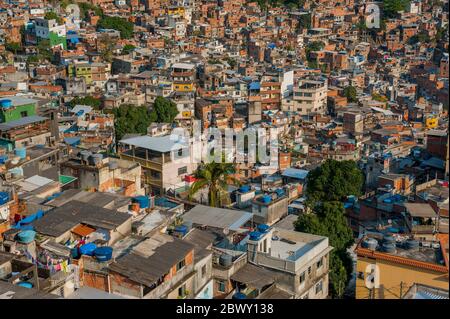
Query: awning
{"type": "Point", "coordinates": [83, 230]}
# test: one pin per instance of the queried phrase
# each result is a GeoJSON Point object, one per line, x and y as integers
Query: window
{"type": "Point", "coordinates": [182, 291]}
{"type": "Point", "coordinates": [319, 287]}
{"type": "Point", "coordinates": [221, 286]}
{"type": "Point", "coordinates": [320, 262]}
{"type": "Point", "coordinates": [309, 270]}
{"type": "Point", "coordinates": [23, 113]}
{"type": "Point", "coordinates": [203, 271]}
{"type": "Point", "coordinates": [180, 265]}
{"type": "Point", "coordinates": [302, 277]}
{"type": "Point", "coordinates": [182, 170]}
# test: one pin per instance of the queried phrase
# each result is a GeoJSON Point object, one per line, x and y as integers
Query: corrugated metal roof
{"type": "Point", "coordinates": [156, 143]}
{"type": "Point", "coordinates": [21, 122]}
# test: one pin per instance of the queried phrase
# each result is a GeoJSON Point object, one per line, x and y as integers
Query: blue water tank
{"type": "Point", "coordinates": [26, 236]}
{"type": "Point", "coordinates": [255, 235]}
{"type": "Point", "coordinates": [21, 152]}
{"type": "Point", "coordinates": [103, 253]}
{"type": "Point", "coordinates": [239, 295]}
{"type": "Point", "coordinates": [6, 103]}
{"type": "Point", "coordinates": [182, 229]}
{"type": "Point", "coordinates": [88, 249]}
{"type": "Point", "coordinates": [263, 228]}
{"type": "Point", "coordinates": [25, 284]}
{"type": "Point", "coordinates": [142, 200]}
{"type": "Point", "coordinates": [244, 188]}
{"type": "Point", "coordinates": [266, 199]}
{"type": "Point", "coordinates": [3, 159]}
{"type": "Point", "coordinates": [4, 197]}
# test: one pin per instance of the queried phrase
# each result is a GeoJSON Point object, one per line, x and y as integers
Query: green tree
{"type": "Point", "coordinates": [350, 94]}
{"type": "Point", "coordinates": [313, 46]}
{"type": "Point", "coordinates": [127, 48]}
{"type": "Point", "coordinates": [333, 181]}
{"type": "Point", "coordinates": [85, 7]}
{"type": "Point", "coordinates": [106, 48]}
{"type": "Point", "coordinates": [391, 7]}
{"type": "Point", "coordinates": [164, 110]}
{"type": "Point", "coordinates": [45, 52]}
{"type": "Point", "coordinates": [13, 47]}
{"type": "Point", "coordinates": [131, 119]}
{"type": "Point", "coordinates": [421, 37]}
{"type": "Point", "coordinates": [213, 176]}
{"type": "Point", "coordinates": [50, 15]}
{"type": "Point", "coordinates": [86, 100]}
{"type": "Point", "coordinates": [304, 21]}
{"type": "Point", "coordinates": [120, 24]}
{"type": "Point", "coordinates": [329, 220]}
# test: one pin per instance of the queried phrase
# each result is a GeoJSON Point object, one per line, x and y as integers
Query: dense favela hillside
{"type": "Point", "coordinates": [224, 149]}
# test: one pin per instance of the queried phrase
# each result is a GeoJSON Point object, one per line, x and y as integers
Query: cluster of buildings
{"type": "Point", "coordinates": [84, 214]}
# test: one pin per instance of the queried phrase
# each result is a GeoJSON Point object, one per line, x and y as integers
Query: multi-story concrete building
{"type": "Point", "coordinates": [301, 260]}
{"type": "Point", "coordinates": [310, 96]}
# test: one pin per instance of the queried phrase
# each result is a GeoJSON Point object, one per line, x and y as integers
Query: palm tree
{"type": "Point", "coordinates": [214, 176]}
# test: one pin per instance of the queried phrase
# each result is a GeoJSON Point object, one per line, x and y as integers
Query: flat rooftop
{"type": "Point", "coordinates": [292, 245]}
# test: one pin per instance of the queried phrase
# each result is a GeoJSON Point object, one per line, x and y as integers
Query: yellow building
{"type": "Point", "coordinates": [400, 270]}
{"type": "Point", "coordinates": [175, 11]}
{"type": "Point", "coordinates": [431, 122]}
{"type": "Point", "coordinates": [183, 77]}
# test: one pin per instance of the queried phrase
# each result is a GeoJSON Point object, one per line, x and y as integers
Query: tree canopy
{"type": "Point", "coordinates": [86, 100]}
{"type": "Point", "coordinates": [50, 15]}
{"type": "Point", "coordinates": [350, 94]}
{"type": "Point", "coordinates": [164, 110]}
{"type": "Point", "coordinates": [391, 7]}
{"type": "Point", "coordinates": [120, 24]}
{"type": "Point", "coordinates": [131, 119]}
{"type": "Point", "coordinates": [333, 181]}
{"type": "Point", "coordinates": [329, 220]}
{"type": "Point", "coordinates": [127, 48]}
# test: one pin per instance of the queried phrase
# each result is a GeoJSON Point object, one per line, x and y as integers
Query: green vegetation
{"type": "Point", "coordinates": [124, 26]}
{"type": "Point", "coordinates": [136, 119]}
{"type": "Point", "coordinates": [214, 176]}
{"type": "Point", "coordinates": [85, 7]}
{"type": "Point", "coordinates": [86, 100]}
{"type": "Point", "coordinates": [131, 119]}
{"type": "Point", "coordinates": [304, 22]}
{"type": "Point", "coordinates": [327, 186]}
{"type": "Point", "coordinates": [440, 34]}
{"type": "Point", "coordinates": [45, 52]}
{"type": "Point", "coordinates": [164, 110]}
{"type": "Point", "coordinates": [421, 37]}
{"type": "Point", "coordinates": [13, 47]}
{"type": "Point", "coordinates": [313, 46]}
{"type": "Point", "coordinates": [350, 94]}
{"type": "Point", "coordinates": [106, 48]}
{"type": "Point", "coordinates": [52, 15]}
{"type": "Point", "coordinates": [379, 97]}
{"type": "Point", "coordinates": [391, 7]}
{"type": "Point", "coordinates": [334, 181]}
{"type": "Point", "coordinates": [329, 220]}
{"type": "Point", "coordinates": [128, 48]}
{"type": "Point", "coordinates": [232, 62]}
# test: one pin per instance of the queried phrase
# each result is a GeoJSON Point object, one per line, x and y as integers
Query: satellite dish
{"type": "Point", "coordinates": [226, 231]}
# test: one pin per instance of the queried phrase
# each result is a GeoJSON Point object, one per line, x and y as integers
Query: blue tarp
{"type": "Point", "coordinates": [254, 86]}
{"type": "Point", "coordinates": [295, 173]}
{"type": "Point", "coordinates": [73, 141]}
